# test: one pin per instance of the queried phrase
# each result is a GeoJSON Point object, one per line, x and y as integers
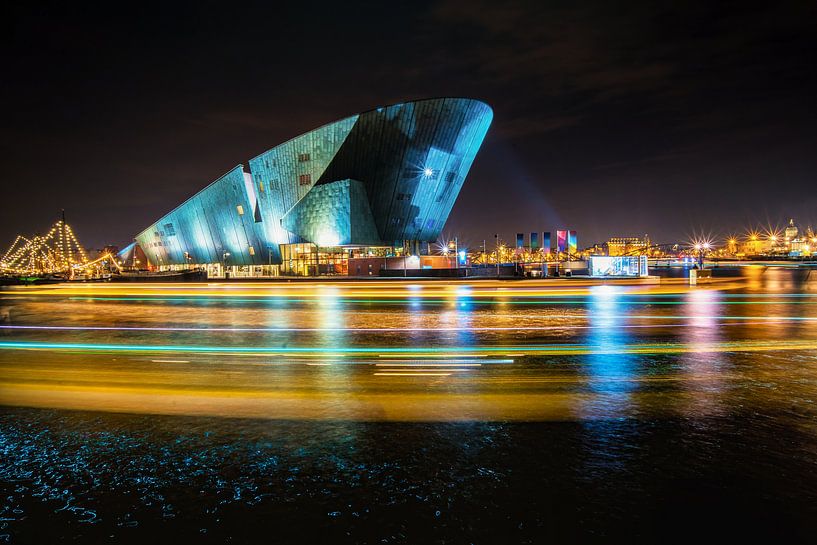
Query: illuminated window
{"type": "Point", "coordinates": [305, 179]}
{"type": "Point", "coordinates": [260, 187]}
{"type": "Point", "coordinates": [303, 157]}
{"type": "Point", "coordinates": [252, 250]}
{"type": "Point", "coordinates": [240, 210]}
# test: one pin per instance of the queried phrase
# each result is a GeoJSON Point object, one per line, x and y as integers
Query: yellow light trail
{"type": "Point", "coordinates": [434, 352]}
{"type": "Point", "coordinates": [370, 289]}
{"type": "Point", "coordinates": [411, 374]}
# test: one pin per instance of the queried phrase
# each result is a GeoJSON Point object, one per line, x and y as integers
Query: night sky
{"type": "Point", "coordinates": [655, 117]}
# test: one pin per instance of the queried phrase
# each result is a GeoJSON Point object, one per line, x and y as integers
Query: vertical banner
{"type": "Point", "coordinates": [520, 241]}
{"type": "Point", "coordinates": [546, 241]}
{"type": "Point", "coordinates": [561, 241]}
{"type": "Point", "coordinates": [534, 241]}
{"type": "Point", "coordinates": [572, 242]}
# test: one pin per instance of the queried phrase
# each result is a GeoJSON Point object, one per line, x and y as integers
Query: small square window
{"type": "Point", "coordinates": [252, 250]}
{"type": "Point", "coordinates": [260, 187]}
{"type": "Point", "coordinates": [305, 179]}
{"type": "Point", "coordinates": [240, 210]}
{"type": "Point", "coordinates": [303, 157]}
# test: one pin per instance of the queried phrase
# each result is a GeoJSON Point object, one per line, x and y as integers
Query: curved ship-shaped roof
{"type": "Point", "coordinates": [381, 177]}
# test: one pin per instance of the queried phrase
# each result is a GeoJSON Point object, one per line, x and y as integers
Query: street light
{"type": "Point", "coordinates": [496, 239]}
{"type": "Point", "coordinates": [701, 248]}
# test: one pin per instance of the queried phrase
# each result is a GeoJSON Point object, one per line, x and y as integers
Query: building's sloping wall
{"type": "Point", "coordinates": [208, 225]}
{"type": "Point", "coordinates": [413, 159]}
{"type": "Point", "coordinates": [334, 214]}
{"type": "Point", "coordinates": [285, 174]}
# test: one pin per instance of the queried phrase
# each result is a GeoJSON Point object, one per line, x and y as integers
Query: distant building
{"type": "Point", "coordinates": [791, 231]}
{"type": "Point", "coordinates": [627, 246]}
{"type": "Point", "coordinates": [620, 266]}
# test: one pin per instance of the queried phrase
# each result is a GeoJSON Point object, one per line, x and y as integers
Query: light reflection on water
{"type": "Point", "coordinates": [704, 369]}
{"type": "Point", "coordinates": [610, 373]}
{"type": "Point", "coordinates": [592, 413]}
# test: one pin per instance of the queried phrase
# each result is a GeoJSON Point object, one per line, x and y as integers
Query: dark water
{"type": "Point", "coordinates": [685, 415]}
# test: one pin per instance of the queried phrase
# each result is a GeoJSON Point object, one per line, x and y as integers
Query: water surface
{"type": "Point", "coordinates": [380, 412]}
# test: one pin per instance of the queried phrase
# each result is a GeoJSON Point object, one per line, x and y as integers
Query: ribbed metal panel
{"type": "Point", "coordinates": [392, 149]}
{"type": "Point", "coordinates": [334, 214]}
{"type": "Point", "coordinates": [207, 225]}
{"type": "Point", "coordinates": [282, 169]}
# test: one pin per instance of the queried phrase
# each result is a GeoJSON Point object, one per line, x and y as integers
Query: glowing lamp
{"type": "Point", "coordinates": [428, 172]}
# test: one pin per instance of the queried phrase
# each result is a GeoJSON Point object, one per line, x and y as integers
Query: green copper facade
{"type": "Point", "coordinates": [380, 177]}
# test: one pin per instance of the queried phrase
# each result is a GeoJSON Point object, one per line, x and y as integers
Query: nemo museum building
{"type": "Point", "coordinates": [370, 188]}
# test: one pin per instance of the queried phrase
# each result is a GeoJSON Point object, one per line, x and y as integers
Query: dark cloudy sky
{"type": "Point", "coordinates": [611, 118]}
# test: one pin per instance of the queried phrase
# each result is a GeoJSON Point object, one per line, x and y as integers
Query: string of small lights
{"type": "Point", "coordinates": [57, 252]}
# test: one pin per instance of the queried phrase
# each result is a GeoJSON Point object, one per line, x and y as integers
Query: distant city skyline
{"type": "Point", "coordinates": [607, 121]}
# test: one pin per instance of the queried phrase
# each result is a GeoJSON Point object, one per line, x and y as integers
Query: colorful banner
{"type": "Point", "coordinates": [534, 241]}
{"type": "Point", "coordinates": [561, 241]}
{"type": "Point", "coordinates": [520, 241]}
{"type": "Point", "coordinates": [546, 241]}
{"type": "Point", "coordinates": [572, 242]}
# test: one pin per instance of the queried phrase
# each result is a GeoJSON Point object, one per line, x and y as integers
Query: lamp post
{"type": "Point", "coordinates": [457, 252]}
{"type": "Point", "coordinates": [224, 257]}
{"type": "Point", "coordinates": [701, 248]}
{"type": "Point", "coordinates": [496, 239]}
